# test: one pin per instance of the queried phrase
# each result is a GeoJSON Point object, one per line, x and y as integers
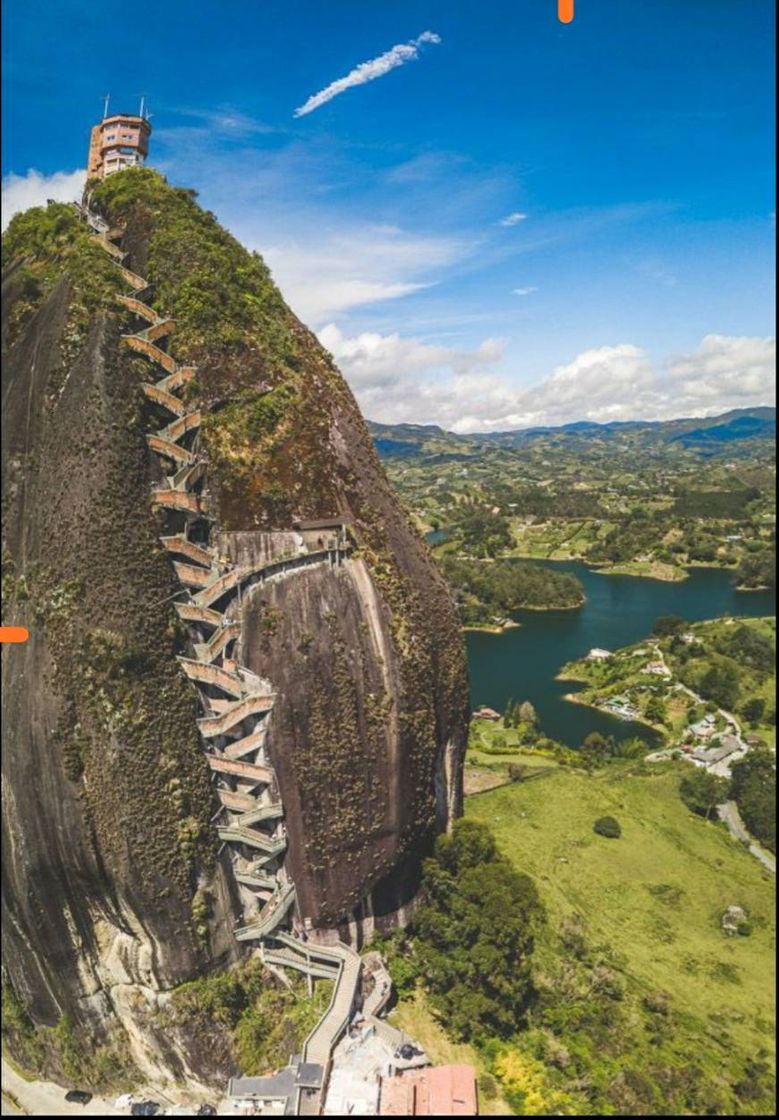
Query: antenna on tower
{"type": "Point", "coordinates": [105, 98]}
{"type": "Point", "coordinates": [141, 113]}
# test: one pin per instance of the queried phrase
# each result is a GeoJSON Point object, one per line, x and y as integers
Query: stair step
{"type": "Point", "coordinates": [167, 447]}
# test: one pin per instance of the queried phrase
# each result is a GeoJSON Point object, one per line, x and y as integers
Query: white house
{"type": "Point", "coordinates": [658, 668]}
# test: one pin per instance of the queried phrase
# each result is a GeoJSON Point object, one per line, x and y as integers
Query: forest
{"type": "Point", "coordinates": [489, 592]}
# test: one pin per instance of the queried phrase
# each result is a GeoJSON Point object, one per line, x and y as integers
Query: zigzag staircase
{"type": "Point", "coordinates": [236, 704]}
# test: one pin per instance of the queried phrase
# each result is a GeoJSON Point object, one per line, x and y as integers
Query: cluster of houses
{"type": "Point", "coordinates": [622, 706]}
{"type": "Point", "coordinates": [727, 745]}
{"type": "Point", "coordinates": [710, 748]}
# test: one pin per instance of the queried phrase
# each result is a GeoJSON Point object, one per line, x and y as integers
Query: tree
{"type": "Point", "coordinates": [757, 570]}
{"type": "Point", "coordinates": [720, 684]}
{"type": "Point", "coordinates": [484, 533]}
{"type": "Point", "coordinates": [749, 647]}
{"type": "Point", "coordinates": [666, 625]}
{"type": "Point", "coordinates": [527, 713]}
{"type": "Point", "coordinates": [474, 934]}
{"type": "Point", "coordinates": [753, 788]}
{"type": "Point", "coordinates": [753, 708]}
{"type": "Point", "coordinates": [596, 749]}
{"type": "Point", "coordinates": [702, 791]}
{"type": "Point", "coordinates": [656, 710]}
{"type": "Point", "coordinates": [595, 742]}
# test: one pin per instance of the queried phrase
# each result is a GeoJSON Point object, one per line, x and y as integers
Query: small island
{"type": "Point", "coordinates": [487, 592]}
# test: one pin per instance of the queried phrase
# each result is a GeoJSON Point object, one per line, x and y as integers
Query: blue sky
{"type": "Point", "coordinates": [520, 222]}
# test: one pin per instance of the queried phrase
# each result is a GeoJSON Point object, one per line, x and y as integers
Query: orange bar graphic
{"type": "Point", "coordinates": [13, 634]}
{"type": "Point", "coordinates": [565, 11]}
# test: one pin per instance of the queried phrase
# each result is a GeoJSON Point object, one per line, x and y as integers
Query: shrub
{"type": "Point", "coordinates": [608, 826]}
{"type": "Point", "coordinates": [657, 1003]}
{"type": "Point", "coordinates": [488, 1086]}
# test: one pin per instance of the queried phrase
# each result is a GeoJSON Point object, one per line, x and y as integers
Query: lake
{"type": "Point", "coordinates": [522, 663]}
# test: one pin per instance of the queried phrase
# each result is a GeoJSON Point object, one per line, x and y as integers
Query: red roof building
{"type": "Point", "coordinates": [433, 1091]}
{"type": "Point", "coordinates": [486, 713]}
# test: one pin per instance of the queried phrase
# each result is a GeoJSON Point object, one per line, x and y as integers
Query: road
{"type": "Point", "coordinates": [44, 1098]}
{"type": "Point", "coordinates": [730, 815]}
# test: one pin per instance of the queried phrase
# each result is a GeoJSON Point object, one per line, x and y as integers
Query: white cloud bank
{"type": "Point", "coordinates": [20, 192]}
{"type": "Point", "coordinates": [368, 71]}
{"type": "Point", "coordinates": [404, 379]}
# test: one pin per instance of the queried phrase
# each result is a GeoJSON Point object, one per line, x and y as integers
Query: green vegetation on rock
{"type": "Point", "coordinates": [66, 1051]}
{"type": "Point", "coordinates": [265, 1022]}
{"type": "Point", "coordinates": [231, 322]}
{"type": "Point", "coordinates": [42, 244]}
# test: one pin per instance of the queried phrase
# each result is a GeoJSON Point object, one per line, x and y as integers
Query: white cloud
{"type": "Point", "coordinates": [400, 379]}
{"type": "Point", "coordinates": [368, 71]}
{"type": "Point", "coordinates": [335, 271]}
{"type": "Point", "coordinates": [20, 192]}
{"type": "Point", "coordinates": [513, 219]}
{"type": "Point", "coordinates": [523, 291]}
{"type": "Point", "coordinates": [726, 368]}
{"type": "Point", "coordinates": [373, 360]}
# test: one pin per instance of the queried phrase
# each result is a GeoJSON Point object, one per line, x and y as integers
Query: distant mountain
{"type": "Point", "coordinates": [404, 440]}
{"type": "Point", "coordinates": [708, 435]}
{"type": "Point", "coordinates": [738, 426]}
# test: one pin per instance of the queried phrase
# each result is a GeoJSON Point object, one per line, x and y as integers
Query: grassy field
{"type": "Point", "coordinates": [557, 540]}
{"type": "Point", "coordinates": [655, 896]}
{"type": "Point", "coordinates": [485, 771]}
{"type": "Point", "coordinates": [525, 757]}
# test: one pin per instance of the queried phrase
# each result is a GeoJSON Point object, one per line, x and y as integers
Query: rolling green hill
{"type": "Point", "coordinates": [646, 1006]}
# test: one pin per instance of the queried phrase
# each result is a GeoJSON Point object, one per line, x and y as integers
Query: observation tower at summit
{"type": "Point", "coordinates": [117, 142]}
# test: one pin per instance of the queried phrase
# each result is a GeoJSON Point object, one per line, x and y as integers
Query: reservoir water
{"type": "Point", "coordinates": [522, 663]}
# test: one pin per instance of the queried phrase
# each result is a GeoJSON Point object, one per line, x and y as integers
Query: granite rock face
{"type": "Point", "coordinates": [114, 888]}
{"type": "Point", "coordinates": [106, 795]}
